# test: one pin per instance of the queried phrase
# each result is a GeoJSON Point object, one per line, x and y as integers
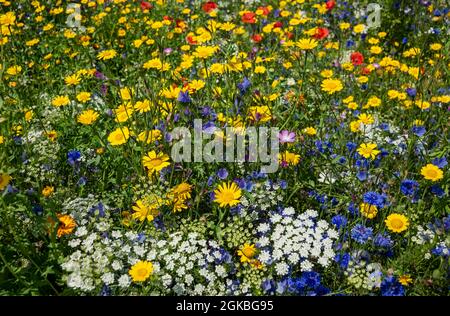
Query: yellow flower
{"type": "Point", "coordinates": [125, 93]}
{"type": "Point", "coordinates": [47, 191]}
{"type": "Point", "coordinates": [141, 271]}
{"type": "Point", "coordinates": [397, 223]}
{"type": "Point", "coordinates": [60, 101]}
{"type": "Point", "coordinates": [72, 80]}
{"type": "Point", "coordinates": [247, 252]}
{"type": "Point", "coordinates": [307, 43]}
{"type": "Point", "coordinates": [259, 114]}
{"type": "Point", "coordinates": [227, 194]}
{"type": "Point", "coordinates": [204, 52]}
{"type": "Point", "coordinates": [373, 102]}
{"type": "Point", "coordinates": [83, 97]}
{"type": "Point", "coordinates": [260, 69]}
{"type": "Point", "coordinates": [393, 94]}
{"type": "Point", "coordinates": [107, 54]}
{"type": "Point", "coordinates": [87, 117]}
{"type": "Point", "coordinates": [310, 131]}
{"type": "Point", "coordinates": [327, 73]}
{"type": "Point", "coordinates": [432, 172]}
{"type": "Point", "coordinates": [154, 63]}
{"type": "Point", "coordinates": [368, 150]}
{"type": "Point", "coordinates": [52, 135]}
{"type": "Point", "coordinates": [147, 210]}
{"type": "Point", "coordinates": [289, 158]}
{"type": "Point", "coordinates": [4, 180]}
{"type": "Point", "coordinates": [123, 112]}
{"type": "Point", "coordinates": [119, 136]}
{"type": "Point", "coordinates": [405, 279]}
{"type": "Point", "coordinates": [359, 28]}
{"type": "Point", "coordinates": [2, 139]}
{"type": "Point", "coordinates": [367, 210]}
{"type": "Point", "coordinates": [332, 85]}
{"type": "Point", "coordinates": [14, 70]}
{"type": "Point", "coordinates": [29, 115]}
{"type": "Point", "coordinates": [143, 106]}
{"type": "Point", "coordinates": [150, 136]}
{"type": "Point", "coordinates": [196, 84]}
{"type": "Point", "coordinates": [435, 46]}
{"type": "Point", "coordinates": [376, 50]}
{"type": "Point", "coordinates": [366, 119]}
{"type": "Point", "coordinates": [66, 225]}
{"type": "Point", "coordinates": [155, 162]}
{"type": "Point", "coordinates": [181, 191]}
{"type": "Point", "coordinates": [7, 19]}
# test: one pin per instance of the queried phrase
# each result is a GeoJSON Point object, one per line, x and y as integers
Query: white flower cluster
{"type": "Point", "coordinates": [101, 256]}
{"type": "Point", "coordinates": [289, 240]}
{"type": "Point", "coordinates": [363, 275]}
{"type": "Point", "coordinates": [191, 265]}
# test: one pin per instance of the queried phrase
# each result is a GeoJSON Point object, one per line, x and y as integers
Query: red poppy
{"type": "Point", "coordinates": [249, 17]}
{"type": "Point", "coordinates": [167, 18]}
{"type": "Point", "coordinates": [321, 33]}
{"type": "Point", "coordinates": [257, 38]}
{"type": "Point", "coordinates": [357, 58]}
{"type": "Point", "coordinates": [289, 35]}
{"type": "Point", "coordinates": [330, 4]}
{"type": "Point", "coordinates": [277, 24]}
{"type": "Point", "coordinates": [209, 6]}
{"type": "Point", "coordinates": [265, 10]}
{"type": "Point", "coordinates": [365, 71]}
{"type": "Point", "coordinates": [146, 5]}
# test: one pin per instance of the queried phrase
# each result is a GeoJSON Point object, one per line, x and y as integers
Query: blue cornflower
{"type": "Point", "coordinates": [439, 162]}
{"type": "Point", "coordinates": [361, 234]}
{"type": "Point", "coordinates": [409, 187]}
{"type": "Point", "coordinates": [411, 92]}
{"type": "Point", "coordinates": [383, 240]}
{"type": "Point", "coordinates": [244, 85]}
{"type": "Point", "coordinates": [343, 260]}
{"type": "Point", "coordinates": [222, 173]}
{"type": "Point", "coordinates": [392, 287]}
{"type": "Point", "coordinates": [339, 221]}
{"type": "Point", "coordinates": [73, 156]}
{"type": "Point", "coordinates": [184, 97]}
{"type": "Point", "coordinates": [362, 175]}
{"type": "Point", "coordinates": [419, 130]}
{"type": "Point", "coordinates": [374, 198]}
{"type": "Point", "coordinates": [437, 190]}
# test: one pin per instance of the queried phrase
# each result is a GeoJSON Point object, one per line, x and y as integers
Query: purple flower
{"type": "Point", "coordinates": [222, 173]}
{"type": "Point", "coordinates": [184, 97]}
{"type": "Point", "coordinates": [286, 137]}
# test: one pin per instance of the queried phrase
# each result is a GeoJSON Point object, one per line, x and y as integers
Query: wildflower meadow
{"type": "Point", "coordinates": [255, 147]}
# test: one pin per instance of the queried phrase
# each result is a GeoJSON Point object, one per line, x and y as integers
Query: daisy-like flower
{"type": "Point", "coordinates": [4, 180]}
{"type": "Point", "coordinates": [148, 209]}
{"type": "Point", "coordinates": [119, 136]}
{"type": "Point", "coordinates": [368, 150]}
{"type": "Point", "coordinates": [72, 80]}
{"type": "Point", "coordinates": [87, 117]}
{"type": "Point", "coordinates": [397, 223]}
{"type": "Point", "coordinates": [227, 194]}
{"type": "Point", "coordinates": [155, 162]}
{"type": "Point", "coordinates": [204, 52]}
{"type": "Point", "coordinates": [432, 172]}
{"type": "Point", "coordinates": [307, 43]}
{"type": "Point", "coordinates": [367, 210]}
{"type": "Point", "coordinates": [107, 54]}
{"type": "Point", "coordinates": [66, 225]}
{"type": "Point", "coordinates": [60, 101]}
{"type": "Point", "coordinates": [141, 271]}
{"type": "Point", "coordinates": [332, 85]}
{"type": "Point", "coordinates": [247, 252]}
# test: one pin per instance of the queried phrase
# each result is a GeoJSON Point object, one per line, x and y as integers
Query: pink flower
{"type": "Point", "coordinates": [286, 137]}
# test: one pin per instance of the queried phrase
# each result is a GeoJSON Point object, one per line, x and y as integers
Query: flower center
{"type": "Point", "coordinates": [248, 252]}
{"type": "Point", "coordinates": [396, 223]}
{"type": "Point", "coordinates": [142, 272]}
{"type": "Point", "coordinates": [432, 173]}
{"type": "Point", "coordinates": [228, 196]}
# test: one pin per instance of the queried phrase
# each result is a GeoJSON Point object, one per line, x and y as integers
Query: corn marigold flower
{"type": "Point", "coordinates": [432, 172]}
{"type": "Point", "coordinates": [61, 101]}
{"type": "Point", "coordinates": [107, 54]}
{"type": "Point", "coordinates": [4, 180]}
{"type": "Point", "coordinates": [119, 136]}
{"type": "Point", "coordinates": [332, 85]}
{"type": "Point", "coordinates": [397, 223]}
{"type": "Point", "coordinates": [227, 194]}
{"type": "Point", "coordinates": [247, 252]}
{"type": "Point", "coordinates": [141, 271]}
{"type": "Point", "coordinates": [368, 150]}
{"type": "Point", "coordinates": [155, 162]}
{"type": "Point", "coordinates": [87, 117]}
{"type": "Point", "coordinates": [66, 225]}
